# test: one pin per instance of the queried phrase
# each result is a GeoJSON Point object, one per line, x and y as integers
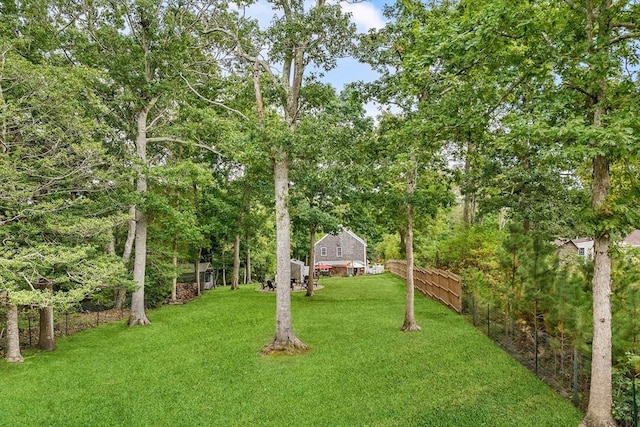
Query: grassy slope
{"type": "Point", "coordinates": [197, 364]}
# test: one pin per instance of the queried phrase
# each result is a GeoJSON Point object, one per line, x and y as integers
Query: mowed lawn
{"type": "Point", "coordinates": [198, 365]}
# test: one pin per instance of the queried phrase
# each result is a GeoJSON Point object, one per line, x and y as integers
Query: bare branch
{"type": "Point", "coordinates": [627, 25]}
{"type": "Point", "coordinates": [26, 279]}
{"type": "Point", "coordinates": [182, 141]}
{"type": "Point", "coordinates": [579, 89]}
{"type": "Point", "coordinates": [211, 101]}
{"type": "Point", "coordinates": [624, 37]}
{"type": "Point", "coordinates": [241, 53]}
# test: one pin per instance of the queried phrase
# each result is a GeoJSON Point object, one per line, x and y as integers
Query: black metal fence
{"type": "Point", "coordinates": [551, 358]}
{"type": "Point", "coordinates": [65, 323]}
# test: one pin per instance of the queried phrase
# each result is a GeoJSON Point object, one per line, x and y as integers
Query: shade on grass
{"type": "Point", "coordinates": [198, 364]}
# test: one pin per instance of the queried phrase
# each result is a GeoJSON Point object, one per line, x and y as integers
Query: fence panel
{"type": "Point", "coordinates": [65, 323]}
{"type": "Point", "coordinates": [439, 285]}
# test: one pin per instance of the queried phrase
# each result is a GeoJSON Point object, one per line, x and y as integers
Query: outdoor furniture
{"type": "Point", "coordinates": [269, 285]}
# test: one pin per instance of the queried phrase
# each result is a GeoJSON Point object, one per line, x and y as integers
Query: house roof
{"type": "Point", "coordinates": [189, 268]}
{"type": "Point", "coordinates": [633, 238]}
{"type": "Point", "coordinates": [582, 240]}
{"type": "Point", "coordinates": [346, 231]}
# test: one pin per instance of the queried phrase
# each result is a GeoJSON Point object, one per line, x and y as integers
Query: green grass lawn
{"type": "Point", "coordinates": [198, 365]}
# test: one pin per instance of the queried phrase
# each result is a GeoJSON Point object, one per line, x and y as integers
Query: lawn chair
{"type": "Point", "coordinates": [269, 285]}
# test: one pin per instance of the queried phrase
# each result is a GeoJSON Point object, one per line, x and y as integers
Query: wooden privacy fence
{"type": "Point", "coordinates": [439, 285]}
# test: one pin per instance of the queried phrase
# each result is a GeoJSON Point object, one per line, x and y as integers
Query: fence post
{"type": "Point", "coordinates": [635, 402]}
{"type": "Point", "coordinates": [473, 310]}
{"type": "Point", "coordinates": [535, 333]}
{"type": "Point", "coordinates": [575, 377]}
{"type": "Point", "coordinates": [29, 323]}
{"type": "Point", "coordinates": [488, 321]}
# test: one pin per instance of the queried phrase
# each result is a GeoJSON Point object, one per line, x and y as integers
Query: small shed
{"type": "Point", "coordinates": [298, 270]}
{"type": "Point", "coordinates": [187, 274]}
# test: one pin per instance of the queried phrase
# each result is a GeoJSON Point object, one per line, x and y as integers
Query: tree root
{"type": "Point", "coordinates": [15, 359]}
{"type": "Point", "coordinates": [139, 321]}
{"type": "Point", "coordinates": [590, 421]}
{"type": "Point", "coordinates": [287, 348]}
{"type": "Point", "coordinates": [411, 327]}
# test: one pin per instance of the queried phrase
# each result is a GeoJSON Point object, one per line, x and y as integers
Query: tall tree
{"type": "Point", "coordinates": [579, 52]}
{"type": "Point", "coordinates": [297, 38]}
{"type": "Point", "coordinates": [56, 185]}
{"type": "Point", "coordinates": [324, 174]}
{"type": "Point", "coordinates": [414, 188]}
{"type": "Point", "coordinates": [145, 47]}
{"type": "Point", "coordinates": [590, 43]}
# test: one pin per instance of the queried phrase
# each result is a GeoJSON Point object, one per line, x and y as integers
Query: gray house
{"type": "Point", "coordinates": [341, 254]}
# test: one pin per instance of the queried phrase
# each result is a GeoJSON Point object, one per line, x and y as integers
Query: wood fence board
{"type": "Point", "coordinates": [440, 285]}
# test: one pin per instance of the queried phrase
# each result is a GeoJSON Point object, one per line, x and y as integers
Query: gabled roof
{"type": "Point", "coordinates": [633, 239]}
{"type": "Point", "coordinates": [349, 232]}
{"type": "Point", "coordinates": [582, 240]}
{"type": "Point", "coordinates": [202, 267]}
{"type": "Point", "coordinates": [565, 242]}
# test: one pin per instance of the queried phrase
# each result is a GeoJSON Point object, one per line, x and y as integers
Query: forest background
{"type": "Point", "coordinates": [135, 136]}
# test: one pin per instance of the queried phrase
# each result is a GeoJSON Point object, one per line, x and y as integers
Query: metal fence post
{"type": "Point", "coordinates": [575, 376]}
{"type": "Point", "coordinates": [635, 402]}
{"type": "Point", "coordinates": [29, 323]}
{"type": "Point", "coordinates": [488, 321]}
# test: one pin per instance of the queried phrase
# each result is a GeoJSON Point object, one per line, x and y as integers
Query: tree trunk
{"type": "Point", "coordinates": [600, 393]}
{"type": "Point", "coordinates": [249, 277]}
{"type": "Point", "coordinates": [13, 335]}
{"type": "Point", "coordinates": [236, 263]}
{"type": "Point", "coordinates": [121, 293]}
{"type": "Point", "coordinates": [409, 317]}
{"type": "Point", "coordinates": [131, 235]}
{"type": "Point", "coordinates": [468, 209]}
{"type": "Point", "coordinates": [47, 340]}
{"type": "Point", "coordinates": [138, 315]}
{"type": "Point", "coordinates": [174, 285]}
{"type": "Point", "coordinates": [285, 340]}
{"type": "Point", "coordinates": [597, 31]}
{"type": "Point", "coordinates": [224, 269]}
{"type": "Point", "coordinates": [196, 268]}
{"type": "Point", "coordinates": [312, 256]}
{"type": "Point", "coordinates": [111, 246]}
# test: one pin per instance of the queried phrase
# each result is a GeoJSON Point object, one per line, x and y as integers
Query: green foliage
{"type": "Point", "coordinates": [626, 303]}
{"type": "Point", "coordinates": [623, 376]}
{"type": "Point", "coordinates": [389, 247]}
{"type": "Point", "coordinates": [57, 208]}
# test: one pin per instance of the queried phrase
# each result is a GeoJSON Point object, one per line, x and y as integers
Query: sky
{"type": "Point", "coordinates": [366, 15]}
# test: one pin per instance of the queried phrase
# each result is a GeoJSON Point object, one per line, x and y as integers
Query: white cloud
{"type": "Point", "coordinates": [365, 15]}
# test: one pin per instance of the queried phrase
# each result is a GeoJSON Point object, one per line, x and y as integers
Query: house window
{"type": "Point", "coordinates": [581, 251]}
{"type": "Point", "coordinates": [323, 251]}
{"type": "Point", "coordinates": [339, 252]}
